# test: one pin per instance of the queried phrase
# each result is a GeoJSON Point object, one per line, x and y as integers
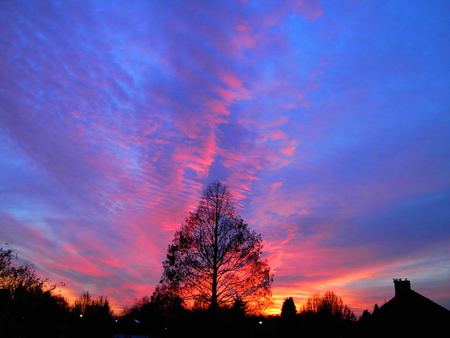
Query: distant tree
{"type": "Point", "coordinates": [137, 307]}
{"type": "Point", "coordinates": [167, 307]}
{"type": "Point", "coordinates": [237, 324]}
{"type": "Point", "coordinates": [215, 258]}
{"type": "Point", "coordinates": [288, 325]}
{"type": "Point", "coordinates": [86, 306]}
{"type": "Point", "coordinates": [328, 305]}
{"type": "Point", "coordinates": [82, 303]}
{"type": "Point", "coordinates": [239, 308]}
{"type": "Point", "coordinates": [167, 300]}
{"type": "Point", "coordinates": [138, 318]}
{"type": "Point", "coordinates": [288, 310]}
{"type": "Point", "coordinates": [365, 316]}
{"type": "Point", "coordinates": [326, 316]}
{"type": "Point", "coordinates": [95, 315]}
{"type": "Point", "coordinates": [375, 308]}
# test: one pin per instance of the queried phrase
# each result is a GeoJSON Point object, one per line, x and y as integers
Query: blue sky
{"type": "Point", "coordinates": [329, 121]}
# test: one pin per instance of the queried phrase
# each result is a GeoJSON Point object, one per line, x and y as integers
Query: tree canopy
{"type": "Point", "coordinates": [215, 258]}
{"type": "Point", "coordinates": [328, 305]}
{"type": "Point", "coordinates": [288, 309]}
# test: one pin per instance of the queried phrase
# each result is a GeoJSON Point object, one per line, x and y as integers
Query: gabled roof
{"type": "Point", "coordinates": [412, 304]}
{"type": "Point", "coordinates": [408, 314]}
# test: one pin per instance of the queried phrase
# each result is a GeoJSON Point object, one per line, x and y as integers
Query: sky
{"type": "Point", "coordinates": [328, 120]}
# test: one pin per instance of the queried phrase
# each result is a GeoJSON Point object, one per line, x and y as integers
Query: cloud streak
{"type": "Point", "coordinates": [328, 123]}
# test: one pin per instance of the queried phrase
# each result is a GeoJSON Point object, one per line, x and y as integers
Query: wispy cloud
{"type": "Point", "coordinates": [328, 123]}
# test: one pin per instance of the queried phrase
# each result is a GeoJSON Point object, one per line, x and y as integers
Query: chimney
{"type": "Point", "coordinates": [402, 286]}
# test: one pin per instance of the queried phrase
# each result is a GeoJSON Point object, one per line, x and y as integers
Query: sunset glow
{"type": "Point", "coordinates": [328, 120]}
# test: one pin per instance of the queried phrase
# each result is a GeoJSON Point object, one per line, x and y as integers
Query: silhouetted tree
{"type": "Point", "coordinates": [167, 300]}
{"type": "Point", "coordinates": [239, 308]}
{"type": "Point", "coordinates": [365, 316]}
{"type": "Point", "coordinates": [375, 308]}
{"type": "Point", "coordinates": [326, 316]}
{"type": "Point", "coordinates": [28, 304]}
{"type": "Point", "coordinates": [95, 316]}
{"type": "Point", "coordinates": [215, 258]}
{"type": "Point", "coordinates": [328, 305]}
{"type": "Point", "coordinates": [288, 323]}
{"type": "Point", "coordinates": [288, 310]}
{"type": "Point", "coordinates": [142, 318]}
{"type": "Point", "coordinates": [167, 308]}
{"type": "Point", "coordinates": [138, 308]}
{"type": "Point", "coordinates": [20, 279]}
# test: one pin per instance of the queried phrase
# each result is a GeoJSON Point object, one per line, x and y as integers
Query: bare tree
{"type": "Point", "coordinates": [95, 316]}
{"type": "Point", "coordinates": [328, 305]}
{"type": "Point", "coordinates": [85, 305]}
{"type": "Point", "coordinates": [215, 258]}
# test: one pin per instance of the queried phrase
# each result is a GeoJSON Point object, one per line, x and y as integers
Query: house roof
{"type": "Point", "coordinates": [410, 303]}
{"type": "Point", "coordinates": [408, 312]}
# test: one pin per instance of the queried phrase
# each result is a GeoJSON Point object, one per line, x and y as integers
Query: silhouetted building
{"type": "Point", "coordinates": [408, 314]}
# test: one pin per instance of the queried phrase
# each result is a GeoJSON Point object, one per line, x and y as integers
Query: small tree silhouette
{"type": "Point", "coordinates": [288, 310]}
{"type": "Point", "coordinates": [239, 308]}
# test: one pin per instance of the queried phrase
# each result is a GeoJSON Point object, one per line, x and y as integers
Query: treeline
{"type": "Point", "coordinates": [322, 316]}
{"type": "Point", "coordinates": [30, 306]}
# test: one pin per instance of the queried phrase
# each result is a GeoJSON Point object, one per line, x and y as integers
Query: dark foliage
{"type": "Point", "coordinates": [288, 325]}
{"type": "Point", "coordinates": [94, 316]}
{"type": "Point", "coordinates": [325, 316]}
{"type": "Point", "coordinates": [29, 306]}
{"type": "Point", "coordinates": [159, 315]}
{"type": "Point", "coordinates": [288, 309]}
{"type": "Point", "coordinates": [142, 318]}
{"type": "Point", "coordinates": [328, 306]}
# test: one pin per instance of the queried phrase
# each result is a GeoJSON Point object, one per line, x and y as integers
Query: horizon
{"type": "Point", "coordinates": [329, 121]}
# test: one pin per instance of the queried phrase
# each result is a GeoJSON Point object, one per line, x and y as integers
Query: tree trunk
{"type": "Point", "coordinates": [214, 303]}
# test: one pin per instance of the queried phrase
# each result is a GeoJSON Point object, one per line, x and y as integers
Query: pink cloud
{"type": "Point", "coordinates": [290, 148]}
{"type": "Point", "coordinates": [218, 107]}
{"type": "Point", "coordinates": [310, 9]}
{"type": "Point", "coordinates": [232, 81]}
{"type": "Point", "coordinates": [243, 40]}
